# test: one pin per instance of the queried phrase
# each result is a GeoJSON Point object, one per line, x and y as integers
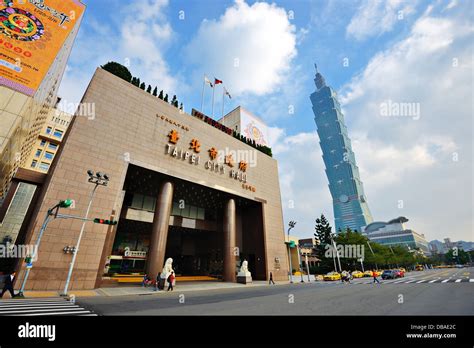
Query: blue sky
{"type": "Point", "coordinates": [403, 51]}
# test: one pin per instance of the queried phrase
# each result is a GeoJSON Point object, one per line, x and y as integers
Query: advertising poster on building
{"type": "Point", "coordinates": [31, 34]}
{"type": "Point", "coordinates": [253, 128]}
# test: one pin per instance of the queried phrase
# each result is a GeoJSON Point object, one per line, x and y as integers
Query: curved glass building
{"type": "Point", "coordinates": [349, 201]}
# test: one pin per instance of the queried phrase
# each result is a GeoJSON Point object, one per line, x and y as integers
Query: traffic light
{"type": "Point", "coordinates": [105, 222]}
{"type": "Point", "coordinates": [66, 203]}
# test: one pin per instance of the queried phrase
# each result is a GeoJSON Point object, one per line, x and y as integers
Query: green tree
{"type": "Point", "coordinates": [161, 95]}
{"type": "Point", "coordinates": [149, 89]}
{"type": "Point", "coordinates": [155, 91]}
{"type": "Point", "coordinates": [118, 70]}
{"type": "Point", "coordinates": [456, 256]}
{"type": "Point", "coordinates": [166, 98]}
{"type": "Point", "coordinates": [323, 242]}
{"type": "Point", "coordinates": [143, 86]}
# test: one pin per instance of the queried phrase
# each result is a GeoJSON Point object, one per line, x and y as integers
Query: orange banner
{"type": "Point", "coordinates": [32, 33]}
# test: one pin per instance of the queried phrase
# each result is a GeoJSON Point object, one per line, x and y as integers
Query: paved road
{"type": "Point", "coordinates": [420, 293]}
{"type": "Point", "coordinates": [42, 306]}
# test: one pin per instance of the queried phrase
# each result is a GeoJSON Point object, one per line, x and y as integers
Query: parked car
{"type": "Point", "coordinates": [388, 274]}
{"type": "Point", "coordinates": [319, 277]}
{"type": "Point", "coordinates": [368, 274]}
{"type": "Point", "coordinates": [419, 268]}
{"type": "Point", "coordinates": [403, 270]}
{"type": "Point", "coordinates": [332, 276]}
{"type": "Point", "coordinates": [399, 273]}
{"type": "Point", "coordinates": [357, 274]}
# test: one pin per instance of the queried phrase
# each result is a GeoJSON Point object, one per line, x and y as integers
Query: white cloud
{"type": "Point", "coordinates": [259, 38]}
{"type": "Point", "coordinates": [140, 49]}
{"type": "Point", "coordinates": [427, 163]}
{"type": "Point", "coordinates": [375, 17]}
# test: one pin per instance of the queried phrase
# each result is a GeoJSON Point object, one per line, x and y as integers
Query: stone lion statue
{"type": "Point", "coordinates": [245, 267]}
{"type": "Point", "coordinates": [167, 268]}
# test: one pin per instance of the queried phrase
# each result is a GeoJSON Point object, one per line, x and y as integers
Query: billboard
{"type": "Point", "coordinates": [31, 34]}
{"type": "Point", "coordinates": [253, 128]}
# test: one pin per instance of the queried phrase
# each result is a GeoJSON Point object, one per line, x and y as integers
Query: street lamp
{"type": "Point", "coordinates": [376, 266]}
{"type": "Point", "coordinates": [332, 235]}
{"type": "Point", "coordinates": [291, 225]}
{"type": "Point", "coordinates": [99, 179]}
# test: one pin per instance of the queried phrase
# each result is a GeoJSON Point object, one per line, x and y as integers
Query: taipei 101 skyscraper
{"type": "Point", "coordinates": [349, 201]}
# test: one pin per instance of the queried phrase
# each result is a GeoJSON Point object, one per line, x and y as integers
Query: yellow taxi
{"type": "Point", "coordinates": [403, 270]}
{"type": "Point", "coordinates": [319, 277]}
{"type": "Point", "coordinates": [368, 274]}
{"type": "Point", "coordinates": [419, 268]}
{"type": "Point", "coordinates": [332, 276]}
{"type": "Point", "coordinates": [357, 274]}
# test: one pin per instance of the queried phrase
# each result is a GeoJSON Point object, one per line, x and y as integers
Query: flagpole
{"type": "Point", "coordinates": [223, 94]}
{"type": "Point", "coordinates": [202, 94]}
{"type": "Point", "coordinates": [213, 91]}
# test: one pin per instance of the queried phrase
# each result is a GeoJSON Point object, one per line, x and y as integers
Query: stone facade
{"type": "Point", "coordinates": [132, 127]}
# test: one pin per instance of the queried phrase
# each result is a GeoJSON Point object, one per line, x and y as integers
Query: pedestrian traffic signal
{"type": "Point", "coordinates": [105, 222]}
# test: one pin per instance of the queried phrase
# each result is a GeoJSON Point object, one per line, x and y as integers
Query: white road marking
{"type": "Point", "coordinates": [434, 280]}
{"type": "Point", "coordinates": [421, 281]}
{"type": "Point", "coordinates": [458, 280]}
{"type": "Point", "coordinates": [446, 280]}
{"type": "Point", "coordinates": [471, 280]}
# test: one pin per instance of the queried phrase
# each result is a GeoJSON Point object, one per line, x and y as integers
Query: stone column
{"type": "Point", "coordinates": [229, 241]}
{"type": "Point", "coordinates": [159, 233]}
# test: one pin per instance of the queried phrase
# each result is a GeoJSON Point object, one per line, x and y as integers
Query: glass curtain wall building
{"type": "Point", "coordinates": [349, 201]}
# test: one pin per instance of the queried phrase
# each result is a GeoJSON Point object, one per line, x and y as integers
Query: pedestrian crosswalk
{"type": "Point", "coordinates": [419, 281]}
{"type": "Point", "coordinates": [408, 281]}
{"type": "Point", "coordinates": [42, 306]}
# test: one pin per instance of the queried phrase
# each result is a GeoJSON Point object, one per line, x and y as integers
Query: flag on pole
{"type": "Point", "coordinates": [217, 81]}
{"type": "Point", "coordinates": [226, 92]}
{"type": "Point", "coordinates": [206, 80]}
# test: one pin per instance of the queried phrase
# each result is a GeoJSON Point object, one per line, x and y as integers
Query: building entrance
{"type": "Point", "coordinates": [195, 252]}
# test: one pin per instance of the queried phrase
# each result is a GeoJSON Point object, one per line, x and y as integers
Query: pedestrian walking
{"type": "Point", "coordinates": [157, 282]}
{"type": "Point", "coordinates": [271, 279]}
{"type": "Point", "coordinates": [8, 286]}
{"type": "Point", "coordinates": [374, 274]}
{"type": "Point", "coordinates": [170, 281]}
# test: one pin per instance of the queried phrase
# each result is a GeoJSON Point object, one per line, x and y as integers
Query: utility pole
{"type": "Point", "coordinates": [291, 225]}
{"type": "Point", "coordinates": [98, 179]}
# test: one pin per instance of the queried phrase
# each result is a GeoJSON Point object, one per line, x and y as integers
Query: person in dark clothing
{"type": "Point", "coordinates": [9, 285]}
{"type": "Point", "coordinates": [271, 279]}
{"type": "Point", "coordinates": [170, 281]}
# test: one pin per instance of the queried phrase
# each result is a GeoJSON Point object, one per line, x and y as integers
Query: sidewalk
{"type": "Point", "coordinates": [139, 290]}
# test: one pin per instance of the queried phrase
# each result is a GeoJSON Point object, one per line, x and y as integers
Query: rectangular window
{"type": "Point", "coordinates": [52, 146]}
{"type": "Point", "coordinates": [48, 130]}
{"type": "Point", "coordinates": [43, 142]}
{"type": "Point", "coordinates": [49, 155]}
{"type": "Point", "coordinates": [58, 134]}
{"type": "Point", "coordinates": [149, 203]}
{"type": "Point", "coordinates": [192, 212]}
{"type": "Point", "coordinates": [38, 152]}
{"type": "Point", "coordinates": [33, 164]}
{"type": "Point", "coordinates": [137, 201]}
{"type": "Point", "coordinates": [200, 214]}
{"type": "Point", "coordinates": [44, 166]}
